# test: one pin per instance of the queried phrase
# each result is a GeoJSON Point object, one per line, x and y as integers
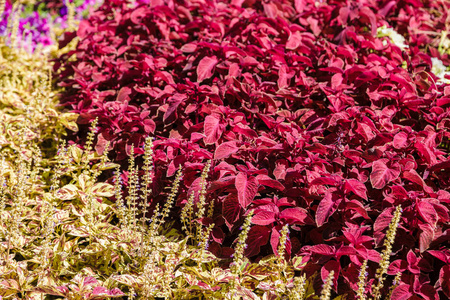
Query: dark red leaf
{"type": "Point", "coordinates": [231, 210]}
{"type": "Point", "coordinates": [402, 292]}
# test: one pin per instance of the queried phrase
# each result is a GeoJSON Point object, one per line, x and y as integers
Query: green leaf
{"type": "Point", "coordinates": [298, 263]}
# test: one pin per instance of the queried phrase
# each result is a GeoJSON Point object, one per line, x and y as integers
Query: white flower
{"type": "Point", "coordinates": [396, 38]}
{"type": "Point", "coordinates": [439, 70]}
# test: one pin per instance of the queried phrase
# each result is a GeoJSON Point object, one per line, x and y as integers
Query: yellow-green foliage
{"type": "Point", "coordinates": [28, 113]}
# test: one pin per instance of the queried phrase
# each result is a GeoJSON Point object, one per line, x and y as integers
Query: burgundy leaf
{"type": "Point", "coordinates": [426, 236]}
{"type": "Point", "coordinates": [246, 188]}
{"type": "Point", "coordinates": [257, 237]}
{"type": "Point", "coordinates": [427, 212]}
{"type": "Point", "coordinates": [401, 292]}
{"type": "Point", "coordinates": [332, 265]}
{"type": "Point", "coordinates": [381, 224]}
{"type": "Point", "coordinates": [231, 210]}
{"type": "Point", "coordinates": [267, 181]}
{"type": "Point", "coordinates": [444, 280]}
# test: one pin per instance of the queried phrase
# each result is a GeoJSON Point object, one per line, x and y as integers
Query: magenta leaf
{"type": "Point", "coordinates": [263, 217]}
{"type": "Point", "coordinates": [356, 187]}
{"type": "Point", "coordinates": [382, 174]}
{"type": "Point", "coordinates": [212, 129]}
{"type": "Point", "coordinates": [205, 68]}
{"type": "Point", "coordinates": [295, 215]}
{"type": "Point", "coordinates": [326, 208]}
{"type": "Point", "coordinates": [322, 249]}
{"type": "Point", "coordinates": [225, 149]}
{"type": "Point", "coordinates": [246, 189]}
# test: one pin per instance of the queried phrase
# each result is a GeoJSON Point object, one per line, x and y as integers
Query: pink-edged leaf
{"type": "Point", "coordinates": [231, 210]}
{"type": "Point", "coordinates": [358, 207]}
{"type": "Point", "coordinates": [89, 281]}
{"type": "Point", "coordinates": [444, 280]}
{"type": "Point", "coordinates": [401, 292]}
{"type": "Point", "coordinates": [295, 215]}
{"type": "Point", "coordinates": [440, 255]}
{"type": "Point", "coordinates": [356, 187]}
{"type": "Point", "coordinates": [322, 249]}
{"type": "Point", "coordinates": [381, 223]}
{"type": "Point", "coordinates": [412, 176]}
{"type": "Point", "coordinates": [225, 149]}
{"type": "Point", "coordinates": [212, 129]}
{"type": "Point", "coordinates": [325, 209]}
{"type": "Point", "coordinates": [263, 217]}
{"type": "Point", "coordinates": [427, 291]}
{"type": "Point", "coordinates": [205, 68]}
{"type": "Point", "coordinates": [400, 140]}
{"type": "Point", "coordinates": [267, 181]}
{"type": "Point", "coordinates": [188, 48]}
{"type": "Point", "coordinates": [246, 188]}
{"type": "Point", "coordinates": [332, 265]}
{"type": "Point", "coordinates": [426, 236]}
{"type": "Point", "coordinates": [427, 212]}
{"type": "Point", "coordinates": [382, 174]}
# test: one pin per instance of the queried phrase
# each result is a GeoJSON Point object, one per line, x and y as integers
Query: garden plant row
{"type": "Point", "coordinates": [306, 143]}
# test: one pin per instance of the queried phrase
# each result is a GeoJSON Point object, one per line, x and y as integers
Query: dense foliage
{"type": "Point", "coordinates": [306, 143]}
{"type": "Point", "coordinates": [321, 115]}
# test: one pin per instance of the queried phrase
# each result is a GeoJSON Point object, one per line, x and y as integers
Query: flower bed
{"type": "Point", "coordinates": [322, 127]}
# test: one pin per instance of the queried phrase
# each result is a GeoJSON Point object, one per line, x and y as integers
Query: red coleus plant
{"type": "Point", "coordinates": [308, 117]}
